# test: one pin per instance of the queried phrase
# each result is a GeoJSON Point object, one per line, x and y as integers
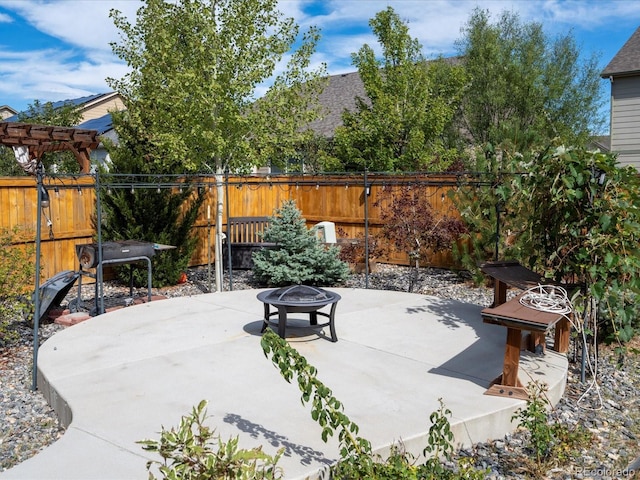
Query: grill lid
{"type": "Point", "coordinates": [299, 295]}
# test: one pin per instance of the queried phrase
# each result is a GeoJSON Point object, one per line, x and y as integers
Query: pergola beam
{"type": "Point", "coordinates": [46, 138]}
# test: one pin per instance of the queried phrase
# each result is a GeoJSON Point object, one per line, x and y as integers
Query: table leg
{"type": "Point", "coordinates": [561, 343]}
{"type": "Point", "coordinates": [507, 385]}
{"type": "Point", "coordinates": [282, 321]}
{"type": "Point", "coordinates": [313, 317]}
{"type": "Point", "coordinates": [511, 357]}
{"type": "Point", "coordinates": [267, 313]}
{"type": "Point", "coordinates": [332, 327]}
{"type": "Point", "coordinates": [499, 292]}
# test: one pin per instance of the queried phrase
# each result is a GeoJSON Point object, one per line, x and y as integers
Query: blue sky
{"type": "Point", "coordinates": [59, 49]}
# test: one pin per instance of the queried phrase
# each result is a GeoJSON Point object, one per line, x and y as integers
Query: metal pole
{"type": "Point", "coordinates": [36, 294]}
{"type": "Point", "coordinates": [229, 266]}
{"type": "Point", "coordinates": [366, 229]}
{"type": "Point", "coordinates": [99, 279]}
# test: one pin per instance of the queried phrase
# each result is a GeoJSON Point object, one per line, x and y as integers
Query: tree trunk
{"type": "Point", "coordinates": [218, 239]}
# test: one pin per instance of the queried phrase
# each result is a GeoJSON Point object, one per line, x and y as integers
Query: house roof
{"type": "Point", "coordinates": [101, 124]}
{"type": "Point", "coordinates": [84, 101]}
{"type": "Point", "coordinates": [627, 60]}
{"type": "Point", "coordinates": [339, 94]}
{"type": "Point", "coordinates": [6, 111]}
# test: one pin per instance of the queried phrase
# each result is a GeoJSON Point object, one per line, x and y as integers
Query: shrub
{"type": "Point", "coordinates": [17, 271]}
{"type": "Point", "coordinates": [153, 215]}
{"type": "Point", "coordinates": [190, 452]}
{"type": "Point", "coordinates": [353, 251]}
{"type": "Point", "coordinates": [548, 440]}
{"type": "Point", "coordinates": [412, 226]}
{"type": "Point", "coordinates": [298, 256]}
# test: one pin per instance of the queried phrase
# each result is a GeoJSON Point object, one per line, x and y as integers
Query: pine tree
{"type": "Point", "coordinates": [298, 256]}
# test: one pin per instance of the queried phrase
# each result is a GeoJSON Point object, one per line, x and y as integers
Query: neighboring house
{"type": "Point", "coordinates": [92, 106]}
{"type": "Point", "coordinates": [104, 126]}
{"type": "Point", "coordinates": [339, 94]}
{"type": "Point", "coordinates": [95, 115]}
{"type": "Point", "coordinates": [623, 72]}
{"type": "Point", "coordinates": [6, 111]}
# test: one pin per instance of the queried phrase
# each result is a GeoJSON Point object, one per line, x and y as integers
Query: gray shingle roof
{"type": "Point", "coordinates": [339, 94]}
{"type": "Point", "coordinates": [627, 60]}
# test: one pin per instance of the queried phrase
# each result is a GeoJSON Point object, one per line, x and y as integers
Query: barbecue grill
{"type": "Point", "coordinates": [116, 252]}
{"type": "Point", "coordinates": [113, 252]}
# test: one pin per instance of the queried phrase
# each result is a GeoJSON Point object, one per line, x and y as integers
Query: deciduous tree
{"type": "Point", "coordinates": [403, 124]}
{"type": "Point", "coordinates": [526, 87]}
{"type": "Point", "coordinates": [196, 66]}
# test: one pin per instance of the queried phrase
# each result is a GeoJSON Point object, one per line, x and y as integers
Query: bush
{"type": "Point", "coordinates": [298, 256]}
{"type": "Point", "coordinates": [17, 271]}
{"type": "Point", "coordinates": [549, 442]}
{"type": "Point", "coordinates": [192, 452]}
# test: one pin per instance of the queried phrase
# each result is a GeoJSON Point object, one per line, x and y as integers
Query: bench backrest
{"type": "Point", "coordinates": [246, 229]}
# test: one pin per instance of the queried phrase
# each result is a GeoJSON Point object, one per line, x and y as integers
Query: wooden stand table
{"type": "Point", "coordinates": [518, 318]}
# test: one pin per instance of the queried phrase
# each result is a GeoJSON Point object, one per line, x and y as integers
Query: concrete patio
{"type": "Point", "coordinates": [119, 377]}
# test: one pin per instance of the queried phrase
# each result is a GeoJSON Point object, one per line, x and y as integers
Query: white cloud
{"type": "Point", "coordinates": [81, 23]}
{"type": "Point", "coordinates": [82, 60]}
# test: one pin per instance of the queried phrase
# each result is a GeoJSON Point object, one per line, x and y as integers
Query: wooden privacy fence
{"type": "Point", "coordinates": [68, 221]}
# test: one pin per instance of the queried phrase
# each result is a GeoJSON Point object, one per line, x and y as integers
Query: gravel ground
{"type": "Point", "coordinates": [610, 411]}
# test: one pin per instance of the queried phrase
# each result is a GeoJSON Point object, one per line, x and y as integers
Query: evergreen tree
{"type": "Point", "coordinates": [298, 256]}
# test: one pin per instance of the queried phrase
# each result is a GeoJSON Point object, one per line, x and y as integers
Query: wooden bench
{"type": "Point", "coordinates": [243, 236]}
{"type": "Point", "coordinates": [518, 318]}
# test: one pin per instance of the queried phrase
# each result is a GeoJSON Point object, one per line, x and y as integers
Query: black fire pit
{"type": "Point", "coordinates": [299, 299]}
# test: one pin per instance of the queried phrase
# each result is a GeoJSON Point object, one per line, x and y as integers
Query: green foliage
{"type": "Point", "coordinates": [404, 123]}
{"type": "Point", "coordinates": [583, 224]}
{"type": "Point", "coordinates": [66, 115]}
{"type": "Point", "coordinates": [190, 452]}
{"type": "Point", "coordinates": [298, 256]}
{"type": "Point", "coordinates": [166, 216]}
{"type": "Point", "coordinates": [485, 198]}
{"type": "Point", "coordinates": [549, 441]}
{"type": "Point", "coordinates": [195, 68]}
{"type": "Point", "coordinates": [526, 86]}
{"type": "Point", "coordinates": [17, 272]}
{"type": "Point", "coordinates": [356, 457]}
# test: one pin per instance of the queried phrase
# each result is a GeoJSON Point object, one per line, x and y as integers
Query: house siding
{"type": "Point", "coordinates": [102, 107]}
{"type": "Point", "coordinates": [625, 119]}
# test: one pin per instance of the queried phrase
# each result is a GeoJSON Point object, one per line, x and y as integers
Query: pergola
{"type": "Point", "coordinates": [40, 139]}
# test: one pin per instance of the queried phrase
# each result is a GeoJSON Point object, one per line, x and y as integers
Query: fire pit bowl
{"type": "Point", "coordinates": [299, 299]}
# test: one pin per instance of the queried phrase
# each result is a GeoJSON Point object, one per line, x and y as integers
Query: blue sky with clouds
{"type": "Point", "coordinates": [59, 49]}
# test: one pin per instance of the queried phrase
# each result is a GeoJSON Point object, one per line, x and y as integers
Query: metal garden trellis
{"type": "Point", "coordinates": [32, 141]}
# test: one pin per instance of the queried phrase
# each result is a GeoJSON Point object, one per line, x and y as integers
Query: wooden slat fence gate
{"type": "Point", "coordinates": [69, 220]}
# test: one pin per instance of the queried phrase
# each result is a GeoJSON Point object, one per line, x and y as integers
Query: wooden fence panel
{"type": "Point", "coordinates": [340, 199]}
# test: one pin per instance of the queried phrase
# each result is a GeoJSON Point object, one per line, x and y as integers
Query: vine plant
{"type": "Point", "coordinates": [357, 459]}
{"type": "Point", "coordinates": [583, 225]}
